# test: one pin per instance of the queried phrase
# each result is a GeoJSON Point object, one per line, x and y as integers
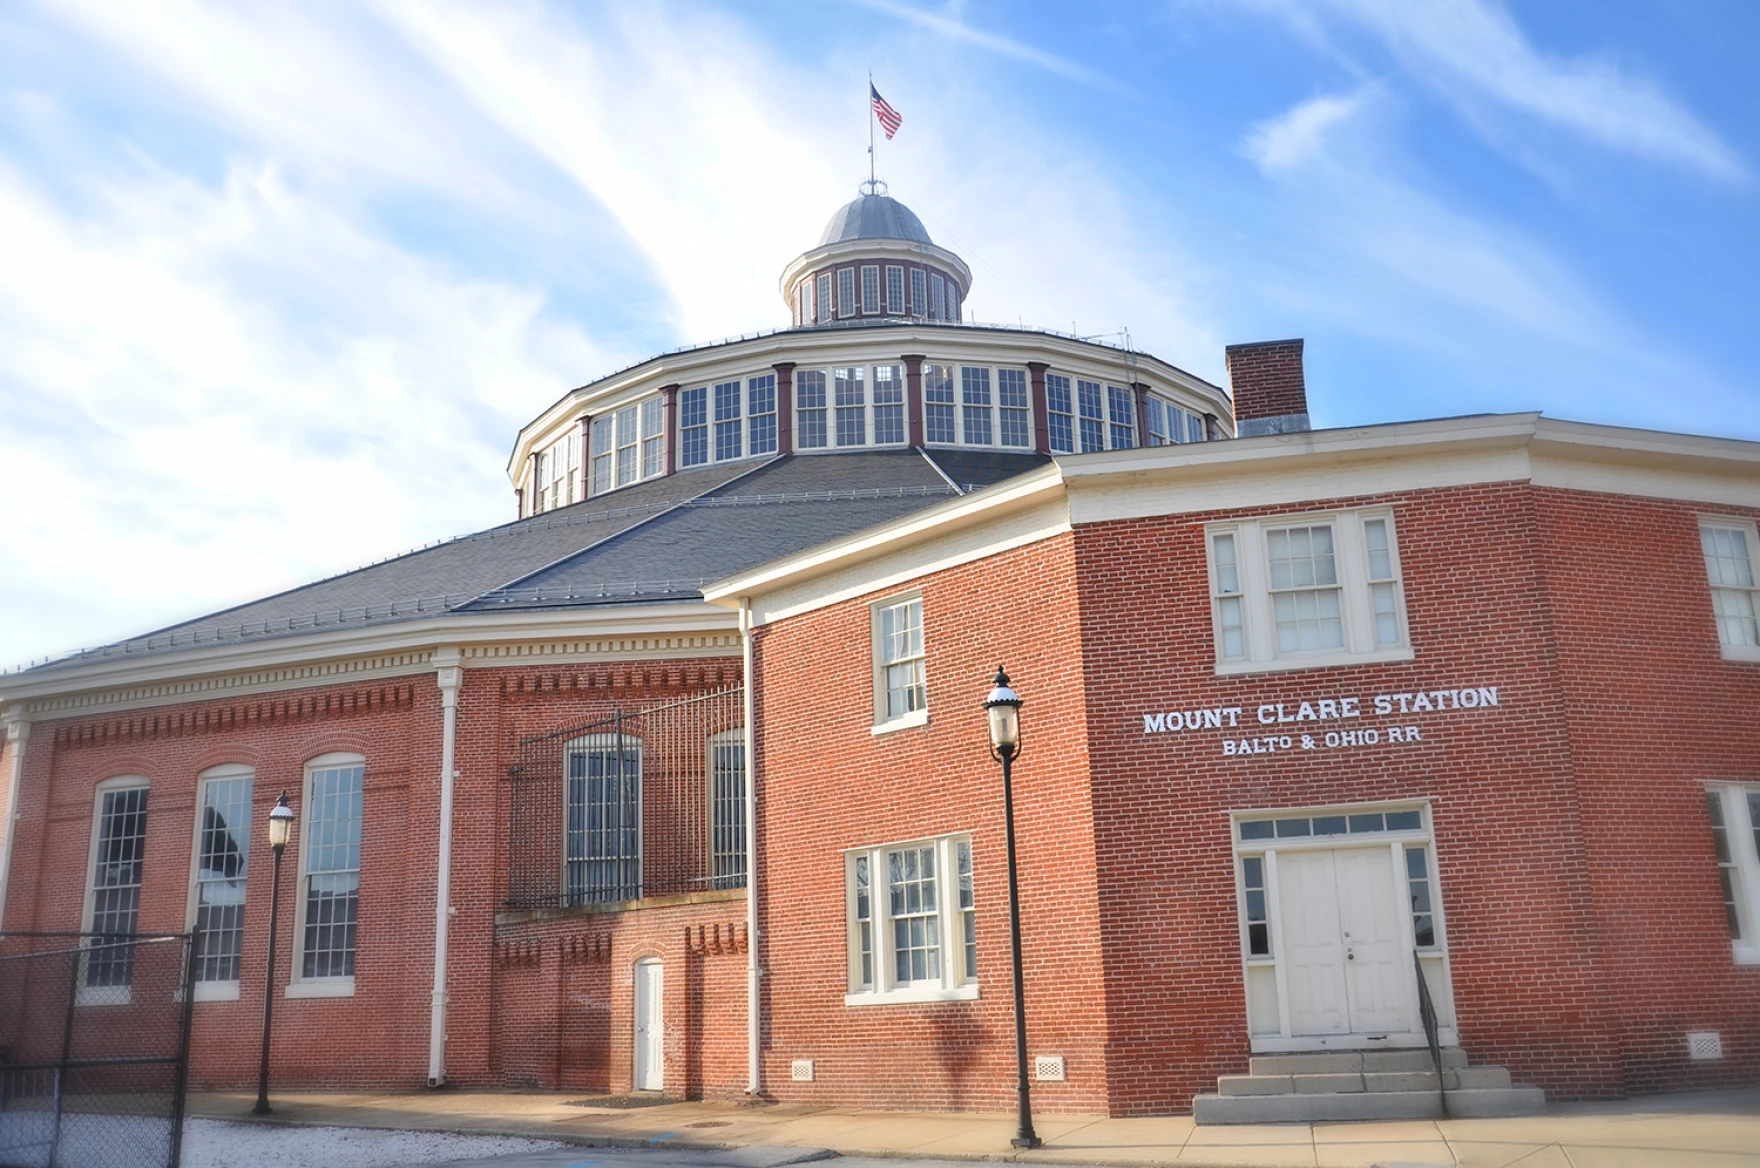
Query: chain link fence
{"type": "Point", "coordinates": [94, 1049]}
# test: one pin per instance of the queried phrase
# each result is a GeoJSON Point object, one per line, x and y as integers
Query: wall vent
{"type": "Point", "coordinates": [1704, 1045]}
{"type": "Point", "coordinates": [801, 1070]}
{"type": "Point", "coordinates": [1048, 1068]}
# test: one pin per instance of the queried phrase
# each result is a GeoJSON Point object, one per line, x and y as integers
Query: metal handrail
{"type": "Point", "coordinates": [1427, 1014]}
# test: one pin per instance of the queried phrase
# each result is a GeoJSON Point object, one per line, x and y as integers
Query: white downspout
{"type": "Point", "coordinates": [450, 674]}
{"type": "Point", "coordinates": [754, 1064]}
{"type": "Point", "coordinates": [19, 732]}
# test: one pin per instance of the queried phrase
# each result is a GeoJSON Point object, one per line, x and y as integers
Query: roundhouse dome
{"type": "Point", "coordinates": [874, 217]}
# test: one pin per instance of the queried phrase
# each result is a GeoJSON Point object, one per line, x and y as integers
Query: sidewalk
{"type": "Point", "coordinates": [1712, 1129]}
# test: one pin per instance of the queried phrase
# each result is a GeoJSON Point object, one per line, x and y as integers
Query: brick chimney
{"type": "Point", "coordinates": [1270, 395]}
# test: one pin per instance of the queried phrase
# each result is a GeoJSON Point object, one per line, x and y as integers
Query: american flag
{"type": "Point", "coordinates": [888, 116]}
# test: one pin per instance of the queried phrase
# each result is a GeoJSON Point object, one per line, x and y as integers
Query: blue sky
{"type": "Point", "coordinates": [279, 283]}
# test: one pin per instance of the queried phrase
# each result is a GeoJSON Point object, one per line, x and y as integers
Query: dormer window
{"type": "Point", "coordinates": [628, 445]}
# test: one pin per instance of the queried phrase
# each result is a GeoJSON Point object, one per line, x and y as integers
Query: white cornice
{"type": "Point", "coordinates": [829, 346]}
{"type": "Point", "coordinates": [482, 640]}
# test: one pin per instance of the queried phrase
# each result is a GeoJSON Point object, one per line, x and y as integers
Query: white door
{"type": "Point", "coordinates": [650, 1030]}
{"type": "Point", "coordinates": [1378, 971]}
{"type": "Point", "coordinates": [1345, 961]}
{"type": "Point", "coordinates": [1313, 944]}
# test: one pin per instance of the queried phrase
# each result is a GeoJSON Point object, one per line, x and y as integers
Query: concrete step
{"type": "Point", "coordinates": [1469, 1103]}
{"type": "Point", "coordinates": [1346, 1082]}
{"type": "Point", "coordinates": [1349, 1061]}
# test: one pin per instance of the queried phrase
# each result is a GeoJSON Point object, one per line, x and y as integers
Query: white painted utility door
{"type": "Point", "coordinates": [1313, 943]}
{"type": "Point", "coordinates": [1346, 965]}
{"type": "Point", "coordinates": [1377, 969]}
{"type": "Point", "coordinates": [650, 1028]}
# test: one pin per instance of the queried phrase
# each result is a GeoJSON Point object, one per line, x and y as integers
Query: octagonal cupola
{"type": "Point", "coordinates": [875, 262]}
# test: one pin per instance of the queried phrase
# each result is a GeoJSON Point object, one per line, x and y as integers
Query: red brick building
{"type": "Point", "coordinates": [1307, 712]}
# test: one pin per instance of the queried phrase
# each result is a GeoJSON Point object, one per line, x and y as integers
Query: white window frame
{"type": "Point", "coordinates": [122, 995]}
{"type": "Point", "coordinates": [217, 991]}
{"type": "Point", "coordinates": [822, 312]}
{"type": "Point", "coordinates": [299, 986]}
{"type": "Point", "coordinates": [871, 304]}
{"type": "Point", "coordinates": [1739, 826]}
{"type": "Point", "coordinates": [957, 983]}
{"type": "Point", "coordinates": [645, 431]}
{"type": "Point", "coordinates": [883, 724]}
{"type": "Point", "coordinates": [847, 304]}
{"type": "Point", "coordinates": [894, 281]}
{"type": "Point", "coordinates": [1351, 557]}
{"type": "Point", "coordinates": [1747, 529]}
{"type": "Point", "coordinates": [919, 306]}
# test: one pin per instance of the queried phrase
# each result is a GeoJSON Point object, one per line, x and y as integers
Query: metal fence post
{"type": "Point", "coordinates": [180, 1093]}
{"type": "Point", "coordinates": [75, 959]}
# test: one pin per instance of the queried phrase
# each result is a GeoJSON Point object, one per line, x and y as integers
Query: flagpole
{"type": "Point", "coordinates": [871, 116]}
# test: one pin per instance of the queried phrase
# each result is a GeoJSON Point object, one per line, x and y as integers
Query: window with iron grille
{"type": "Point", "coordinates": [330, 870]}
{"type": "Point", "coordinates": [113, 902]}
{"type": "Point", "coordinates": [912, 922]}
{"type": "Point", "coordinates": [603, 837]}
{"type": "Point", "coordinates": [223, 837]}
{"type": "Point", "coordinates": [727, 809]}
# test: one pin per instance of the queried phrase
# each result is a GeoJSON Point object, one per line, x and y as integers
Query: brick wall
{"type": "Point", "coordinates": [1265, 379]}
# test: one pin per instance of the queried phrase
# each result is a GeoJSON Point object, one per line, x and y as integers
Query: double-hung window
{"type": "Point", "coordinates": [727, 421]}
{"type": "Point", "coordinates": [912, 920]}
{"type": "Point", "coordinates": [330, 877]}
{"type": "Point", "coordinates": [870, 289]}
{"type": "Point", "coordinates": [1735, 834]}
{"type": "Point", "coordinates": [851, 400]}
{"type": "Point", "coordinates": [889, 403]}
{"type": "Point", "coordinates": [761, 414]}
{"type": "Point", "coordinates": [1167, 422]}
{"type": "Point", "coordinates": [693, 426]}
{"type": "Point", "coordinates": [1013, 405]}
{"type": "Point", "coordinates": [1121, 405]}
{"type": "Point", "coordinates": [653, 437]}
{"type": "Point", "coordinates": [1733, 569]}
{"type": "Point", "coordinates": [822, 287]}
{"type": "Point", "coordinates": [809, 404]}
{"type": "Point", "coordinates": [1088, 400]}
{"type": "Point", "coordinates": [113, 893]}
{"type": "Point", "coordinates": [900, 693]}
{"type": "Point", "coordinates": [975, 387]}
{"type": "Point", "coordinates": [1288, 593]}
{"type": "Point", "coordinates": [217, 894]}
{"type": "Point", "coordinates": [628, 445]}
{"type": "Point", "coordinates": [846, 292]}
{"type": "Point", "coordinates": [1061, 414]}
{"type": "Point", "coordinates": [939, 421]}
{"type": "Point", "coordinates": [894, 290]}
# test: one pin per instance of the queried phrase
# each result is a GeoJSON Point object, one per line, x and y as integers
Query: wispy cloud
{"type": "Point", "coordinates": [958, 30]}
{"type": "Point", "coordinates": [1298, 136]}
{"type": "Point", "coordinates": [1474, 52]}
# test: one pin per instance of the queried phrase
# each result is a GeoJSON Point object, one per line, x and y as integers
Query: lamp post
{"type": "Point", "coordinates": [280, 827]}
{"type": "Point", "coordinates": [1004, 708]}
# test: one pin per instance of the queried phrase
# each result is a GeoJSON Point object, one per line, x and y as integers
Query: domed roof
{"type": "Point", "coordinates": [874, 217]}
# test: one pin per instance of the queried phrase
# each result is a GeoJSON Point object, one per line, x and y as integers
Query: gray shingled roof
{"type": "Point", "coordinates": [655, 541]}
{"type": "Point", "coordinates": [874, 217]}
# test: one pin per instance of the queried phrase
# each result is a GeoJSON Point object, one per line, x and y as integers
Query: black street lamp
{"type": "Point", "coordinates": [1004, 707]}
{"type": "Point", "coordinates": [280, 827]}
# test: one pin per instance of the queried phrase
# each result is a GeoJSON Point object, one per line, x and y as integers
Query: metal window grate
{"type": "Point", "coordinates": [630, 804]}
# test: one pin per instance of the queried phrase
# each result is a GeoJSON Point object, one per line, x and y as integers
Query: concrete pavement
{"type": "Point", "coordinates": [1705, 1130]}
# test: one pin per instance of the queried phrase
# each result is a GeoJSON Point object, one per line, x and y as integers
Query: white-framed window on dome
{"type": "Point", "coordinates": [870, 289]}
{"type": "Point", "coordinates": [822, 298]}
{"type": "Point", "coordinates": [889, 429]}
{"type": "Point", "coordinates": [937, 297]}
{"type": "Point", "coordinates": [850, 397]}
{"type": "Point", "coordinates": [728, 445]}
{"type": "Point", "coordinates": [809, 409]}
{"type": "Point", "coordinates": [1121, 407]}
{"type": "Point", "coordinates": [953, 309]}
{"type": "Point", "coordinates": [846, 292]}
{"type": "Point", "coordinates": [627, 445]}
{"type": "Point", "coordinates": [940, 417]}
{"type": "Point", "coordinates": [761, 413]}
{"type": "Point", "coordinates": [894, 290]}
{"type": "Point", "coordinates": [800, 301]}
{"type": "Point", "coordinates": [919, 293]}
